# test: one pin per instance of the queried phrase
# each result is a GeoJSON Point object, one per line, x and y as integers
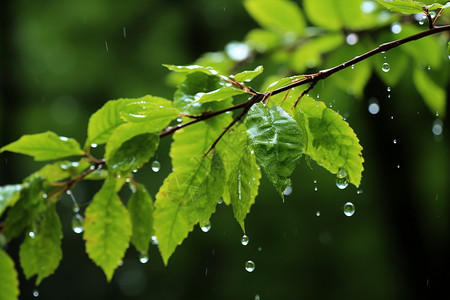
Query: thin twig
{"type": "Point", "coordinates": [310, 87]}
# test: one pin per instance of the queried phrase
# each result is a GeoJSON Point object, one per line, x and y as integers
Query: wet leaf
{"type": "Point", "coordinates": [9, 282]}
{"type": "Point", "coordinates": [44, 146]}
{"type": "Point", "coordinates": [249, 75]}
{"type": "Point", "coordinates": [331, 141]}
{"type": "Point", "coordinates": [40, 255]}
{"type": "Point", "coordinates": [403, 6]}
{"type": "Point", "coordinates": [140, 207]}
{"type": "Point", "coordinates": [9, 194]}
{"type": "Point", "coordinates": [107, 228]}
{"type": "Point", "coordinates": [155, 112]}
{"type": "Point", "coordinates": [130, 146]}
{"type": "Point", "coordinates": [277, 141]}
{"type": "Point", "coordinates": [187, 196]}
{"type": "Point", "coordinates": [192, 69]}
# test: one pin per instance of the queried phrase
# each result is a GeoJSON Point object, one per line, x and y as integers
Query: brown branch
{"type": "Point", "coordinates": [382, 48]}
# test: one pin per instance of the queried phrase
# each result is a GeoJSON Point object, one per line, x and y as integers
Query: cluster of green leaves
{"type": "Point", "coordinates": [274, 135]}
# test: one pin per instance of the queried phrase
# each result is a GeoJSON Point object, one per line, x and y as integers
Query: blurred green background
{"type": "Point", "coordinates": [61, 60]}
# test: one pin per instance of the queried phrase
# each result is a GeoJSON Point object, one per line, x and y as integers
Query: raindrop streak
{"type": "Point", "coordinates": [35, 293]}
{"type": "Point", "coordinates": [250, 266]}
{"type": "Point", "coordinates": [156, 166]}
{"type": "Point", "coordinates": [124, 32]}
{"type": "Point", "coordinates": [106, 45]}
{"type": "Point", "coordinates": [257, 297]}
{"type": "Point", "coordinates": [349, 209]}
{"type": "Point", "coordinates": [143, 258]}
{"type": "Point", "coordinates": [77, 223]}
{"type": "Point", "coordinates": [288, 190]}
{"type": "Point", "coordinates": [385, 67]}
{"type": "Point", "coordinates": [206, 227]}
{"type": "Point", "coordinates": [244, 240]}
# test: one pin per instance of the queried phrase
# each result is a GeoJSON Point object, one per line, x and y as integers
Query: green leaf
{"type": "Point", "coordinates": [9, 282]}
{"type": "Point", "coordinates": [107, 228]}
{"type": "Point", "coordinates": [435, 96]}
{"type": "Point", "coordinates": [140, 207]}
{"type": "Point", "coordinates": [403, 6]}
{"type": "Point", "coordinates": [40, 255]}
{"type": "Point", "coordinates": [277, 141]}
{"type": "Point", "coordinates": [184, 149]}
{"type": "Point", "coordinates": [323, 13]}
{"type": "Point", "coordinates": [243, 184]}
{"type": "Point", "coordinates": [104, 121]}
{"type": "Point", "coordinates": [247, 76]}
{"type": "Point", "coordinates": [281, 16]}
{"type": "Point", "coordinates": [192, 69]}
{"type": "Point", "coordinates": [27, 208]}
{"type": "Point", "coordinates": [218, 95]}
{"type": "Point", "coordinates": [130, 146]}
{"type": "Point", "coordinates": [156, 112]}
{"type": "Point", "coordinates": [62, 170]}
{"type": "Point", "coordinates": [187, 196]}
{"type": "Point", "coordinates": [44, 146]}
{"type": "Point", "coordinates": [331, 141]}
{"type": "Point", "coordinates": [196, 86]}
{"type": "Point", "coordinates": [9, 194]}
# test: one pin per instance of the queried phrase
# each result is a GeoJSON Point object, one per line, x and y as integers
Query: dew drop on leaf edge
{"type": "Point", "coordinates": [341, 183]}
{"type": "Point", "coordinates": [244, 240]}
{"type": "Point", "coordinates": [156, 166]}
{"type": "Point", "coordinates": [143, 258]}
{"type": "Point", "coordinates": [205, 227]}
{"type": "Point", "coordinates": [349, 209]}
{"type": "Point", "coordinates": [77, 223]}
{"type": "Point", "coordinates": [249, 266]}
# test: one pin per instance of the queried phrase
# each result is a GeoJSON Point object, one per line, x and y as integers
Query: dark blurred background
{"type": "Point", "coordinates": [61, 60]}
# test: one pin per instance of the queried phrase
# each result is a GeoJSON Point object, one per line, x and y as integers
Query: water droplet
{"type": "Point", "coordinates": [342, 173]}
{"type": "Point", "coordinates": [205, 227]}
{"type": "Point", "coordinates": [120, 263]}
{"type": "Point", "coordinates": [317, 213]}
{"type": "Point", "coordinates": [395, 141]}
{"type": "Point", "coordinates": [94, 145]}
{"type": "Point", "coordinates": [156, 166]}
{"type": "Point", "coordinates": [352, 38]}
{"type": "Point", "coordinates": [250, 266]}
{"type": "Point", "coordinates": [353, 67]}
{"type": "Point", "coordinates": [32, 234]}
{"type": "Point", "coordinates": [77, 223]}
{"type": "Point", "coordinates": [349, 209]}
{"type": "Point", "coordinates": [35, 293]}
{"type": "Point", "coordinates": [244, 240]}
{"type": "Point", "coordinates": [143, 258]}
{"type": "Point", "coordinates": [373, 107]}
{"type": "Point", "coordinates": [154, 240]}
{"type": "Point", "coordinates": [388, 89]}
{"type": "Point", "coordinates": [220, 201]}
{"type": "Point", "coordinates": [396, 28]}
{"type": "Point", "coordinates": [287, 191]}
{"type": "Point", "coordinates": [386, 67]}
{"type": "Point", "coordinates": [76, 208]}
{"type": "Point", "coordinates": [259, 249]}
{"type": "Point", "coordinates": [359, 191]}
{"type": "Point", "coordinates": [437, 128]}
{"type": "Point", "coordinates": [341, 183]}
{"type": "Point", "coordinates": [398, 166]}
{"type": "Point", "coordinates": [179, 120]}
{"type": "Point", "coordinates": [429, 68]}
